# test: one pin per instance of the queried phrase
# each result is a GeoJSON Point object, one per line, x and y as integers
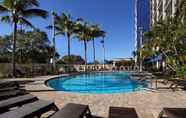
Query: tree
{"type": "Point", "coordinates": [17, 12]}
{"type": "Point", "coordinates": [64, 26]}
{"type": "Point", "coordinates": [4, 49]}
{"type": "Point", "coordinates": [83, 33]}
{"type": "Point", "coordinates": [162, 38]}
{"type": "Point", "coordinates": [95, 32]}
{"type": "Point", "coordinates": [39, 44]}
{"type": "Point", "coordinates": [103, 45]}
{"type": "Point", "coordinates": [74, 59]}
{"type": "Point", "coordinates": [32, 46]}
{"type": "Point", "coordinates": [168, 36]}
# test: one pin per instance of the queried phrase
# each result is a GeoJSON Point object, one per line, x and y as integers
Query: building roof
{"type": "Point", "coordinates": [122, 59]}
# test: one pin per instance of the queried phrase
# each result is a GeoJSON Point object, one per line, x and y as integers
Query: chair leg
{"type": "Point", "coordinates": [172, 86]}
{"type": "Point", "coordinates": [175, 87]}
{"type": "Point", "coordinates": [161, 114]}
{"type": "Point", "coordinates": [55, 108]}
{"type": "Point", "coordinates": [38, 116]}
{"type": "Point", "coordinates": [88, 114]}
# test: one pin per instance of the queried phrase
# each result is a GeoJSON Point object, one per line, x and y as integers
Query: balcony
{"type": "Point", "coordinates": [169, 9]}
{"type": "Point", "coordinates": [168, 4]}
{"type": "Point", "coordinates": [160, 4]}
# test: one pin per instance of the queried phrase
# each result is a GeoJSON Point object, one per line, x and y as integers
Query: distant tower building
{"type": "Point", "coordinates": [142, 21]}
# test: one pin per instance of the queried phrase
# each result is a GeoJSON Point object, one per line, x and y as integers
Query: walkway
{"type": "Point", "coordinates": [147, 103]}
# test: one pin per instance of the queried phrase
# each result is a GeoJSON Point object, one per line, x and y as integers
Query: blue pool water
{"type": "Point", "coordinates": [97, 83]}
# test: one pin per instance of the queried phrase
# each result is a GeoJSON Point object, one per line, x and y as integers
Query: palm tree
{"type": "Point", "coordinates": [103, 45]}
{"type": "Point", "coordinates": [95, 33]}
{"type": "Point", "coordinates": [53, 40]}
{"type": "Point", "coordinates": [83, 33]}
{"type": "Point", "coordinates": [68, 26]}
{"type": "Point", "coordinates": [64, 26]}
{"type": "Point", "coordinates": [17, 12]}
{"type": "Point", "coordinates": [103, 35]}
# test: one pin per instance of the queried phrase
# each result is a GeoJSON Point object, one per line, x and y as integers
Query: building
{"type": "Point", "coordinates": [161, 9]}
{"type": "Point", "coordinates": [142, 21]}
{"type": "Point", "coordinates": [148, 12]}
{"type": "Point", "coordinates": [142, 24]}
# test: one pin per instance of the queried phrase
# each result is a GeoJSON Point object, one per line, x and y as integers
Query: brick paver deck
{"type": "Point", "coordinates": [148, 104]}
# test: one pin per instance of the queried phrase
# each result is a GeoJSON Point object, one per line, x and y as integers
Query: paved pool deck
{"type": "Point", "coordinates": [147, 103]}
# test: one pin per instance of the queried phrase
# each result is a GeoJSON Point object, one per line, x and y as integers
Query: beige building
{"type": "Point", "coordinates": [161, 9]}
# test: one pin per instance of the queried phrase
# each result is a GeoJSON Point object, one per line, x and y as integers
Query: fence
{"type": "Point", "coordinates": [30, 70]}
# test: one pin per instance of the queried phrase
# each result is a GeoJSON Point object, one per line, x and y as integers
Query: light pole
{"type": "Point", "coordinates": [53, 41]}
{"type": "Point", "coordinates": [140, 46]}
{"type": "Point", "coordinates": [103, 45]}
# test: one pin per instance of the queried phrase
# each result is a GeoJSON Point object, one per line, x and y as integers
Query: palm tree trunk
{"type": "Point", "coordinates": [94, 51]}
{"type": "Point", "coordinates": [85, 47]}
{"type": "Point", "coordinates": [54, 43]}
{"type": "Point", "coordinates": [104, 55]}
{"type": "Point", "coordinates": [54, 55]}
{"type": "Point", "coordinates": [14, 49]}
{"type": "Point", "coordinates": [103, 46]}
{"type": "Point", "coordinates": [68, 38]}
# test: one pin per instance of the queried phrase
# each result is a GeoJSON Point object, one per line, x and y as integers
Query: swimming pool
{"type": "Point", "coordinates": [97, 83]}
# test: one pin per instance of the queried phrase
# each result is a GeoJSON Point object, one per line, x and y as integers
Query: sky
{"type": "Point", "coordinates": [116, 18]}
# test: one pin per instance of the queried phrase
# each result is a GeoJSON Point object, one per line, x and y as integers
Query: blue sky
{"type": "Point", "coordinates": [116, 17]}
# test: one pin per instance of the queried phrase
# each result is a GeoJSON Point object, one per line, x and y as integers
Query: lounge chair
{"type": "Point", "coordinates": [20, 73]}
{"type": "Point", "coordinates": [35, 109]}
{"type": "Point", "coordinates": [73, 111]}
{"type": "Point", "coordinates": [173, 113]}
{"type": "Point", "coordinates": [12, 93]}
{"type": "Point", "coordinates": [11, 83]}
{"type": "Point", "coordinates": [5, 105]}
{"type": "Point", "coordinates": [177, 83]}
{"type": "Point", "coordinates": [8, 88]}
{"type": "Point", "coordinates": [8, 84]}
{"type": "Point", "coordinates": [122, 112]}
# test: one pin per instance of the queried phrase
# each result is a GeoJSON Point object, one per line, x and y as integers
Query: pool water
{"type": "Point", "coordinates": [97, 83]}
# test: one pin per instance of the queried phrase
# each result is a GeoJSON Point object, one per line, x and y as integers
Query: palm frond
{"type": "Point", "coordinates": [25, 4]}
{"type": "Point", "coordinates": [56, 28]}
{"type": "Point", "coordinates": [25, 22]}
{"type": "Point", "coordinates": [33, 2]}
{"type": "Point", "coordinates": [3, 9]}
{"type": "Point", "coordinates": [60, 33]}
{"type": "Point", "coordinates": [35, 12]}
{"type": "Point", "coordinates": [49, 27]}
{"type": "Point", "coordinates": [9, 4]}
{"type": "Point", "coordinates": [5, 19]}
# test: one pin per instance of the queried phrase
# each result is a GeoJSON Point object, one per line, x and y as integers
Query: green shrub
{"type": "Point", "coordinates": [181, 72]}
{"type": "Point", "coordinates": [5, 70]}
{"type": "Point", "coordinates": [69, 69]}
